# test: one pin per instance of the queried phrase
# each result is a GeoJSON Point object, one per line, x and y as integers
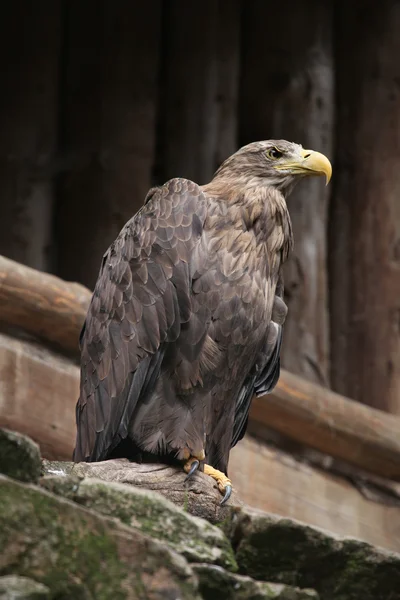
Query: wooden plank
{"type": "Point", "coordinates": [228, 65]}
{"type": "Point", "coordinates": [38, 391]}
{"type": "Point", "coordinates": [108, 116]}
{"type": "Point", "coordinates": [199, 91]}
{"type": "Point", "coordinates": [310, 414]}
{"type": "Point", "coordinates": [188, 110]}
{"type": "Point", "coordinates": [275, 482]}
{"type": "Point", "coordinates": [287, 92]}
{"type": "Point", "coordinates": [30, 38]}
{"type": "Point", "coordinates": [364, 223]}
{"type": "Point", "coordinates": [42, 305]}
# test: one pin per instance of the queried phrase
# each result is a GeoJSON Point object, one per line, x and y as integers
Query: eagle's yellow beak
{"type": "Point", "coordinates": [311, 163]}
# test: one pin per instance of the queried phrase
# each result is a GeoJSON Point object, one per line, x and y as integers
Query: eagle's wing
{"type": "Point", "coordinates": [265, 375]}
{"type": "Point", "coordinates": [141, 298]}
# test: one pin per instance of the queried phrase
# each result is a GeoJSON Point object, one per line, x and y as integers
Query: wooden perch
{"type": "Point", "coordinates": [42, 304]}
{"type": "Point", "coordinates": [367, 438]}
{"type": "Point", "coordinates": [199, 495]}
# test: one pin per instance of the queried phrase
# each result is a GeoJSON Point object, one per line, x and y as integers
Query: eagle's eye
{"type": "Point", "coordinates": [274, 153]}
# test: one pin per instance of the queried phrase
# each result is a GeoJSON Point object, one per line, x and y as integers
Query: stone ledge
{"type": "Point", "coordinates": [78, 554]}
{"type": "Point", "coordinates": [137, 544]}
{"type": "Point", "coordinates": [143, 510]}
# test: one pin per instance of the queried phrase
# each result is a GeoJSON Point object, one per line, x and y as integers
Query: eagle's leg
{"type": "Point", "coordinates": [223, 482]}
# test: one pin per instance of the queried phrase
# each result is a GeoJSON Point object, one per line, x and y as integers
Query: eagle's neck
{"type": "Point", "coordinates": [261, 208]}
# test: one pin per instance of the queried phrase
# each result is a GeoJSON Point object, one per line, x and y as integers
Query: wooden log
{"type": "Point", "coordinates": [287, 92]}
{"type": "Point", "coordinates": [198, 114]}
{"type": "Point", "coordinates": [364, 224]}
{"type": "Point", "coordinates": [310, 414]}
{"type": "Point", "coordinates": [38, 393]}
{"type": "Point", "coordinates": [108, 116]}
{"type": "Point", "coordinates": [30, 40]}
{"type": "Point", "coordinates": [42, 305]}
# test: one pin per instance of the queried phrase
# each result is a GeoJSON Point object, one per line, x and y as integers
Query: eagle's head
{"type": "Point", "coordinates": [276, 163]}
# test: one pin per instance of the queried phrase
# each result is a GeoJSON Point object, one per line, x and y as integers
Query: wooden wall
{"type": "Point", "coordinates": [100, 100]}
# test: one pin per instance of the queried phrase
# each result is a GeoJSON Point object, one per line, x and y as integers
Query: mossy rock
{"type": "Point", "coordinates": [80, 554]}
{"type": "Point", "coordinates": [198, 496]}
{"type": "Point", "coordinates": [194, 538]}
{"type": "Point", "coordinates": [215, 582]}
{"type": "Point", "coordinates": [19, 456]}
{"type": "Point", "coordinates": [278, 549]}
{"type": "Point", "coordinates": [13, 587]}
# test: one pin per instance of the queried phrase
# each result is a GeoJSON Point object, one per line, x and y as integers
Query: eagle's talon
{"type": "Point", "coordinates": [228, 492]}
{"type": "Point", "coordinates": [192, 465]}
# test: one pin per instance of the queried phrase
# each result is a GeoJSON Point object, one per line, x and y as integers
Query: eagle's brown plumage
{"type": "Point", "coordinates": [185, 323]}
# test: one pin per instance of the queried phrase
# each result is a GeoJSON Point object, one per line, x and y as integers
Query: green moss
{"type": "Point", "coordinates": [13, 587]}
{"type": "Point", "coordinates": [155, 516]}
{"type": "Point", "coordinates": [72, 547]}
{"type": "Point", "coordinates": [215, 582]}
{"type": "Point", "coordinates": [19, 456]}
{"type": "Point", "coordinates": [289, 552]}
{"type": "Point", "coordinates": [76, 553]}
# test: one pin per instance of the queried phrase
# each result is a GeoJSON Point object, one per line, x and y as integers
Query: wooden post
{"type": "Point", "coordinates": [287, 92]}
{"type": "Point", "coordinates": [30, 34]}
{"type": "Point", "coordinates": [108, 126]}
{"type": "Point", "coordinates": [199, 88]}
{"type": "Point", "coordinates": [365, 211]}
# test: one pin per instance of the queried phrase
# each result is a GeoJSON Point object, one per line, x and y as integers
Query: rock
{"type": "Point", "coordinates": [19, 456]}
{"type": "Point", "coordinates": [215, 582]}
{"type": "Point", "coordinates": [278, 549]}
{"type": "Point", "coordinates": [13, 587]}
{"type": "Point", "coordinates": [151, 513]}
{"type": "Point", "coordinates": [80, 554]}
{"type": "Point", "coordinates": [199, 496]}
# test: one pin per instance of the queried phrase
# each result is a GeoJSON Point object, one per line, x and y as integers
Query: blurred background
{"type": "Point", "coordinates": [101, 100]}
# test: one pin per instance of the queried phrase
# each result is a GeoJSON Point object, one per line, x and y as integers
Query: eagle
{"type": "Point", "coordinates": [185, 322]}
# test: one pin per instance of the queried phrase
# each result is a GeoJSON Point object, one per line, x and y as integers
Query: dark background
{"type": "Point", "coordinates": [99, 100]}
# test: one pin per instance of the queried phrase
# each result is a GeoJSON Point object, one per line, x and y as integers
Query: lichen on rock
{"type": "Point", "coordinates": [199, 496]}
{"type": "Point", "coordinates": [274, 548]}
{"type": "Point", "coordinates": [194, 538]}
{"type": "Point", "coordinates": [19, 456]}
{"type": "Point", "coordinates": [79, 554]}
{"type": "Point", "coordinates": [215, 582]}
{"type": "Point", "coordinates": [13, 587]}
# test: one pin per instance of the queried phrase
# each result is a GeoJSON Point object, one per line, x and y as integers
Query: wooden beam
{"type": "Point", "coordinates": [364, 221]}
{"type": "Point", "coordinates": [205, 41]}
{"type": "Point", "coordinates": [38, 392]}
{"type": "Point", "coordinates": [42, 304]}
{"type": "Point", "coordinates": [367, 438]}
{"type": "Point", "coordinates": [317, 417]}
{"type": "Point", "coordinates": [107, 126]}
{"type": "Point", "coordinates": [30, 42]}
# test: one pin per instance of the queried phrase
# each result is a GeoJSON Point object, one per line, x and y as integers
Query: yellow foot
{"type": "Point", "coordinates": [223, 482]}
{"type": "Point", "coordinates": [193, 463]}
